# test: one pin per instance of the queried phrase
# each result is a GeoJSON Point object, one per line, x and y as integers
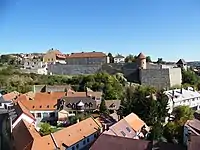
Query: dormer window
{"type": "Point", "coordinates": [73, 105]}
{"type": "Point", "coordinates": [90, 104]}
{"type": "Point", "coordinates": [68, 105]}
{"type": "Point", "coordinates": [112, 105]}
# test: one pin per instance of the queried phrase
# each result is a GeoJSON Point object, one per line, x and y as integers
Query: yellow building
{"type": "Point", "coordinates": [53, 56]}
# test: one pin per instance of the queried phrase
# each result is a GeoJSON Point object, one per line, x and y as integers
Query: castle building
{"type": "Point", "coordinates": [182, 64]}
{"type": "Point", "coordinates": [141, 59]}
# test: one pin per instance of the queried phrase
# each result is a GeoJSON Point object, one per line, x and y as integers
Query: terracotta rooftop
{"type": "Point", "coordinates": [134, 121]}
{"type": "Point", "coordinates": [11, 96]}
{"type": "Point", "coordinates": [72, 134]}
{"type": "Point", "coordinates": [121, 128]}
{"type": "Point", "coordinates": [27, 138]}
{"type": "Point", "coordinates": [61, 56]}
{"type": "Point", "coordinates": [141, 56]}
{"type": "Point", "coordinates": [20, 108]}
{"type": "Point", "coordinates": [87, 55]}
{"type": "Point", "coordinates": [41, 101]}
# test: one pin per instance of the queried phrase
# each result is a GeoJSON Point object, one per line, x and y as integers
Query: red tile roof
{"type": "Point", "coordinates": [134, 121]}
{"type": "Point", "coordinates": [11, 96]}
{"type": "Point", "coordinates": [73, 134]}
{"type": "Point", "coordinates": [27, 138]}
{"type": "Point", "coordinates": [41, 101]}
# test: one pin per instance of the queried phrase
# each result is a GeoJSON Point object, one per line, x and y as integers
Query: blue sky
{"type": "Point", "coordinates": [160, 28]}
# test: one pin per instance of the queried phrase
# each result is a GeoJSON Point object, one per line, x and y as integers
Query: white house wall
{"type": "Point", "coordinates": [39, 119]}
{"type": "Point", "coordinates": [24, 117]}
{"type": "Point", "coordinates": [81, 145]}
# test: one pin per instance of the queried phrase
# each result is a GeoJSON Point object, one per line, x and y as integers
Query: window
{"type": "Point", "coordinates": [73, 148]}
{"type": "Point", "coordinates": [52, 114]}
{"type": "Point", "coordinates": [127, 128]}
{"type": "Point", "coordinates": [88, 140]}
{"type": "Point", "coordinates": [95, 135]}
{"type": "Point", "coordinates": [5, 106]}
{"type": "Point", "coordinates": [0, 104]}
{"type": "Point", "coordinates": [83, 142]}
{"type": "Point", "coordinates": [45, 114]}
{"type": "Point", "coordinates": [122, 132]}
{"type": "Point", "coordinates": [38, 115]}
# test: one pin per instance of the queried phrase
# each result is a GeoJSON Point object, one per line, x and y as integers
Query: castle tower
{"type": "Point", "coordinates": [141, 59]}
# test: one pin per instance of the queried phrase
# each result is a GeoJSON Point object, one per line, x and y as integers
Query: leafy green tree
{"type": "Point", "coordinates": [160, 61]}
{"type": "Point", "coordinates": [111, 58]}
{"type": "Point", "coordinates": [189, 77]}
{"type": "Point", "coordinates": [148, 59]}
{"type": "Point", "coordinates": [103, 109]}
{"type": "Point", "coordinates": [130, 58]}
{"type": "Point", "coordinates": [45, 129]}
{"type": "Point", "coordinates": [143, 102]}
{"type": "Point", "coordinates": [182, 114]}
{"type": "Point", "coordinates": [173, 131]}
{"type": "Point", "coordinates": [156, 133]}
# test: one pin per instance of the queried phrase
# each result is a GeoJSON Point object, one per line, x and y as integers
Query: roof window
{"type": "Point", "coordinates": [47, 106]}
{"type": "Point", "coordinates": [127, 128]}
{"type": "Point", "coordinates": [40, 106]}
{"type": "Point", "coordinates": [122, 132]}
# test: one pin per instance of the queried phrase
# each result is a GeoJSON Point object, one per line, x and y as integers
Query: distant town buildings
{"type": "Point", "coordinates": [83, 58]}
{"type": "Point", "coordinates": [119, 59]}
{"type": "Point", "coordinates": [35, 66]}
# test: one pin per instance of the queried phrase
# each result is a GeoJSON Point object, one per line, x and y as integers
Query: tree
{"type": "Point", "coordinates": [111, 58]}
{"type": "Point", "coordinates": [148, 59]}
{"type": "Point", "coordinates": [45, 129]}
{"type": "Point", "coordinates": [156, 133]}
{"type": "Point", "coordinates": [189, 77]}
{"type": "Point", "coordinates": [130, 58]}
{"type": "Point", "coordinates": [160, 61]}
{"type": "Point", "coordinates": [174, 130]}
{"type": "Point", "coordinates": [182, 114]}
{"type": "Point", "coordinates": [143, 102]}
{"type": "Point", "coordinates": [103, 108]}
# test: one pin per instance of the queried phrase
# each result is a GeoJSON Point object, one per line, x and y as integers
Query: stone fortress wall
{"type": "Point", "coordinates": [159, 76]}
